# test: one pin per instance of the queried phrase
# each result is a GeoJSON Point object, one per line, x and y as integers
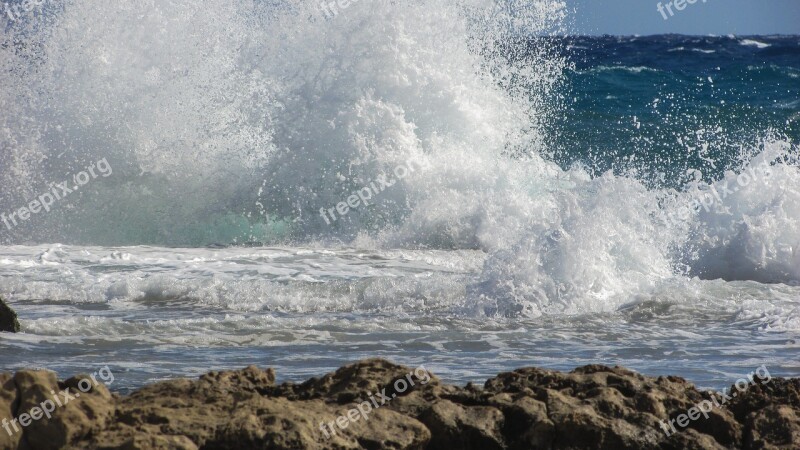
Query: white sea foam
{"type": "Point", "coordinates": [298, 111]}
{"type": "Point", "coordinates": [754, 43]}
{"type": "Point", "coordinates": [162, 312]}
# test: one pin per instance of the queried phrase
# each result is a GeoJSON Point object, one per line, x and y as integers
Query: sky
{"type": "Point", "coordinates": [718, 17]}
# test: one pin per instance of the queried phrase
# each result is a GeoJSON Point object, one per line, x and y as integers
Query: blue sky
{"type": "Point", "coordinates": [719, 17]}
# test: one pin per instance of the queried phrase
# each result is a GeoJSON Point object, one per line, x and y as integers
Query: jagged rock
{"type": "Point", "coordinates": [353, 381]}
{"type": "Point", "coordinates": [231, 410]}
{"type": "Point", "coordinates": [8, 318]}
{"type": "Point", "coordinates": [468, 427]}
{"type": "Point", "coordinates": [375, 404]}
{"type": "Point", "coordinates": [771, 414]}
{"type": "Point", "coordinates": [47, 414]}
{"type": "Point", "coordinates": [613, 408]}
{"type": "Point", "coordinates": [8, 407]}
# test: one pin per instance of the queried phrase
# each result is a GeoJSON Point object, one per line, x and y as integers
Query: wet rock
{"type": "Point", "coordinates": [375, 404]}
{"type": "Point", "coordinates": [8, 318]}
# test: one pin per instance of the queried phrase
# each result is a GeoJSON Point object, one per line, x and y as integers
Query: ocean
{"type": "Point", "coordinates": [188, 187]}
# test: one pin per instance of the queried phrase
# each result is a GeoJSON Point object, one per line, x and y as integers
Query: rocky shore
{"type": "Point", "coordinates": [592, 407]}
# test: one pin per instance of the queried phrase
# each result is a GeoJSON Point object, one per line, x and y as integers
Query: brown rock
{"type": "Point", "coordinates": [774, 427]}
{"type": "Point", "coordinates": [228, 410]}
{"type": "Point", "coordinates": [600, 407]}
{"type": "Point", "coordinates": [75, 414]}
{"type": "Point", "coordinates": [355, 381]}
{"type": "Point", "coordinates": [45, 414]}
{"type": "Point", "coordinates": [770, 411]}
{"type": "Point", "coordinates": [593, 408]}
{"type": "Point", "coordinates": [9, 404]}
{"type": "Point", "coordinates": [527, 422]}
{"type": "Point", "coordinates": [133, 440]}
{"type": "Point", "coordinates": [467, 427]}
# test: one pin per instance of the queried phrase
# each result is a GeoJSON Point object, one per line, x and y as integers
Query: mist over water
{"type": "Point", "coordinates": [233, 123]}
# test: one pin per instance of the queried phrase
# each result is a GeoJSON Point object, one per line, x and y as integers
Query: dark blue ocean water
{"type": "Point", "coordinates": [664, 104]}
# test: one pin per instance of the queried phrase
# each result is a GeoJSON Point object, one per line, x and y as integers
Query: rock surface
{"type": "Point", "coordinates": [8, 318]}
{"type": "Point", "coordinates": [375, 404]}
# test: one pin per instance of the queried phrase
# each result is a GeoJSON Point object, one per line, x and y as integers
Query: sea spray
{"type": "Point", "coordinates": [243, 131]}
{"type": "Point", "coordinates": [240, 133]}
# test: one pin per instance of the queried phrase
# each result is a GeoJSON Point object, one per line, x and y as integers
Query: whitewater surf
{"type": "Point", "coordinates": [570, 200]}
